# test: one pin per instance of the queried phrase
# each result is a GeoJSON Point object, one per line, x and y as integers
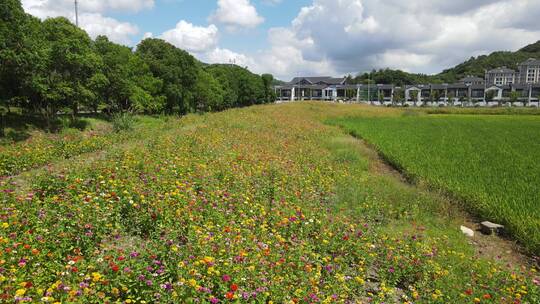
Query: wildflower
{"type": "Point", "coordinates": [20, 292]}
{"type": "Point", "coordinates": [114, 267]}
{"type": "Point", "coordinates": [226, 278]}
{"type": "Point", "coordinates": [229, 295]}
{"type": "Point", "coordinates": [234, 287]}
{"type": "Point", "coordinates": [96, 276]}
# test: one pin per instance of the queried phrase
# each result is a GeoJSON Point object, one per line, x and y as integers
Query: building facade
{"type": "Point", "coordinates": [529, 71]}
{"type": "Point", "coordinates": [500, 76]}
{"type": "Point", "coordinates": [497, 87]}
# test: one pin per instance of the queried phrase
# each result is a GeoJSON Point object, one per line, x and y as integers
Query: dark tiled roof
{"type": "Point", "coordinates": [472, 79]}
{"type": "Point", "coordinates": [501, 70]}
{"type": "Point", "coordinates": [531, 61]}
{"type": "Point", "coordinates": [316, 80]}
{"type": "Point", "coordinates": [457, 86]}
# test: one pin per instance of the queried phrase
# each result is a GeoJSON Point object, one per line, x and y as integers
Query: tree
{"type": "Point", "coordinates": [514, 97]}
{"type": "Point", "coordinates": [490, 95]}
{"type": "Point", "coordinates": [414, 95]}
{"type": "Point", "coordinates": [62, 67]}
{"type": "Point", "coordinates": [270, 94]}
{"type": "Point", "coordinates": [435, 96]}
{"type": "Point", "coordinates": [451, 96]}
{"type": "Point", "coordinates": [13, 52]}
{"type": "Point", "coordinates": [398, 96]}
{"type": "Point", "coordinates": [208, 93]}
{"type": "Point", "coordinates": [176, 68]}
{"type": "Point", "coordinates": [131, 85]}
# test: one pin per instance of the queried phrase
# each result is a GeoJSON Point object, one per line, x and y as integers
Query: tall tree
{"type": "Point", "coordinates": [62, 70]}
{"type": "Point", "coordinates": [12, 49]}
{"type": "Point", "coordinates": [130, 84]}
{"type": "Point", "coordinates": [177, 69]}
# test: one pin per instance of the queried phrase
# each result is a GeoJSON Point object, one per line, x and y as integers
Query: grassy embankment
{"type": "Point", "coordinates": [253, 205]}
{"type": "Point", "coordinates": [489, 162]}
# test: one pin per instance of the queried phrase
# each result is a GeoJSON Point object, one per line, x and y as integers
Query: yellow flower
{"type": "Point", "coordinates": [96, 276]}
{"type": "Point", "coordinates": [5, 225]}
{"type": "Point", "coordinates": [20, 292]}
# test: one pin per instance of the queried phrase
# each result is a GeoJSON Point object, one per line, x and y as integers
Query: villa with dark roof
{"type": "Point", "coordinates": [497, 86]}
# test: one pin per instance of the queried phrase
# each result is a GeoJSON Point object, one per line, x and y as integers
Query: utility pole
{"type": "Point", "coordinates": [77, 13]}
{"type": "Point", "coordinates": [368, 86]}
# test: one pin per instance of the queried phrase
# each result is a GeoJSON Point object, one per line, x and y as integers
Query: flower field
{"type": "Point", "coordinates": [43, 148]}
{"type": "Point", "coordinates": [258, 205]}
{"type": "Point", "coordinates": [491, 162]}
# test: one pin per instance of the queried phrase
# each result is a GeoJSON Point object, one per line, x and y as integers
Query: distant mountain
{"type": "Point", "coordinates": [475, 66]}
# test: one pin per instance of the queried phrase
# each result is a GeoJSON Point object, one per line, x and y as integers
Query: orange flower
{"type": "Point", "coordinates": [229, 295]}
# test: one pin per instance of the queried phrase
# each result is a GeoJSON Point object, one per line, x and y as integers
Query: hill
{"type": "Point", "coordinates": [475, 66]}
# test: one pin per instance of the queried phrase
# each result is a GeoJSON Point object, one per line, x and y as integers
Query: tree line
{"type": "Point", "coordinates": [52, 66]}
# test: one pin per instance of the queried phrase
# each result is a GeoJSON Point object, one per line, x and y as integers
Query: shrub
{"type": "Point", "coordinates": [123, 122]}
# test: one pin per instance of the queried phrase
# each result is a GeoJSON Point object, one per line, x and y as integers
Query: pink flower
{"type": "Point", "coordinates": [226, 278]}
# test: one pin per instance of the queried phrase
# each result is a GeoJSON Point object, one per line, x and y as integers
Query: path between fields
{"type": "Point", "coordinates": [490, 247]}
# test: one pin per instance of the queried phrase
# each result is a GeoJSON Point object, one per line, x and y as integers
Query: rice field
{"type": "Point", "coordinates": [265, 204]}
{"type": "Point", "coordinates": [490, 162]}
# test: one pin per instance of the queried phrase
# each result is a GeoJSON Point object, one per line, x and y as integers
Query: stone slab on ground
{"type": "Point", "coordinates": [467, 231]}
{"type": "Point", "coordinates": [489, 228]}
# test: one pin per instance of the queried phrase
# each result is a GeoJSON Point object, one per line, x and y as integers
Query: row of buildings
{"type": "Point", "coordinates": [499, 85]}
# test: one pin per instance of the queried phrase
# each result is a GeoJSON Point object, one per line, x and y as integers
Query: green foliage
{"type": "Point", "coordinates": [208, 93]}
{"type": "Point", "coordinates": [53, 66]}
{"type": "Point", "coordinates": [123, 122]}
{"type": "Point", "coordinates": [176, 68]}
{"type": "Point", "coordinates": [240, 86]}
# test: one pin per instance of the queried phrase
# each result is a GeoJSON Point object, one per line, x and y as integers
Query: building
{"type": "Point", "coordinates": [470, 91]}
{"type": "Point", "coordinates": [312, 88]}
{"type": "Point", "coordinates": [500, 76]}
{"type": "Point", "coordinates": [472, 80]}
{"type": "Point", "coordinates": [529, 71]}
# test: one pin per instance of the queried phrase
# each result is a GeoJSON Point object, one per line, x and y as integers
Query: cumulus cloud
{"type": "Point", "coordinates": [54, 8]}
{"type": "Point", "coordinates": [96, 24]}
{"type": "Point", "coordinates": [219, 55]}
{"type": "Point", "coordinates": [91, 15]}
{"type": "Point", "coordinates": [236, 14]}
{"type": "Point", "coordinates": [192, 38]}
{"type": "Point", "coordinates": [348, 36]}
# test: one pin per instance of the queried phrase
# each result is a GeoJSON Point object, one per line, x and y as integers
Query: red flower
{"type": "Point", "coordinates": [487, 296]}
{"type": "Point", "coordinates": [234, 287]}
{"type": "Point", "coordinates": [468, 292]}
{"type": "Point", "coordinates": [114, 267]}
{"type": "Point", "coordinates": [229, 295]}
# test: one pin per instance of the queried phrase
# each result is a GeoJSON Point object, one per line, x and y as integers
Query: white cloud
{"type": "Point", "coordinates": [96, 24]}
{"type": "Point", "coordinates": [54, 8]}
{"type": "Point", "coordinates": [91, 15]}
{"type": "Point", "coordinates": [348, 36]}
{"type": "Point", "coordinates": [192, 38]}
{"type": "Point", "coordinates": [219, 55]}
{"type": "Point", "coordinates": [236, 14]}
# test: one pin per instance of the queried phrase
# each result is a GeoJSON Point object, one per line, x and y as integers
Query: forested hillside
{"type": "Point", "coordinates": [52, 66]}
{"type": "Point", "coordinates": [475, 66]}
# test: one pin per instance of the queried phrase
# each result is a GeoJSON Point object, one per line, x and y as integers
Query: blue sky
{"type": "Point", "coordinates": [166, 13]}
{"type": "Point", "coordinates": [313, 37]}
